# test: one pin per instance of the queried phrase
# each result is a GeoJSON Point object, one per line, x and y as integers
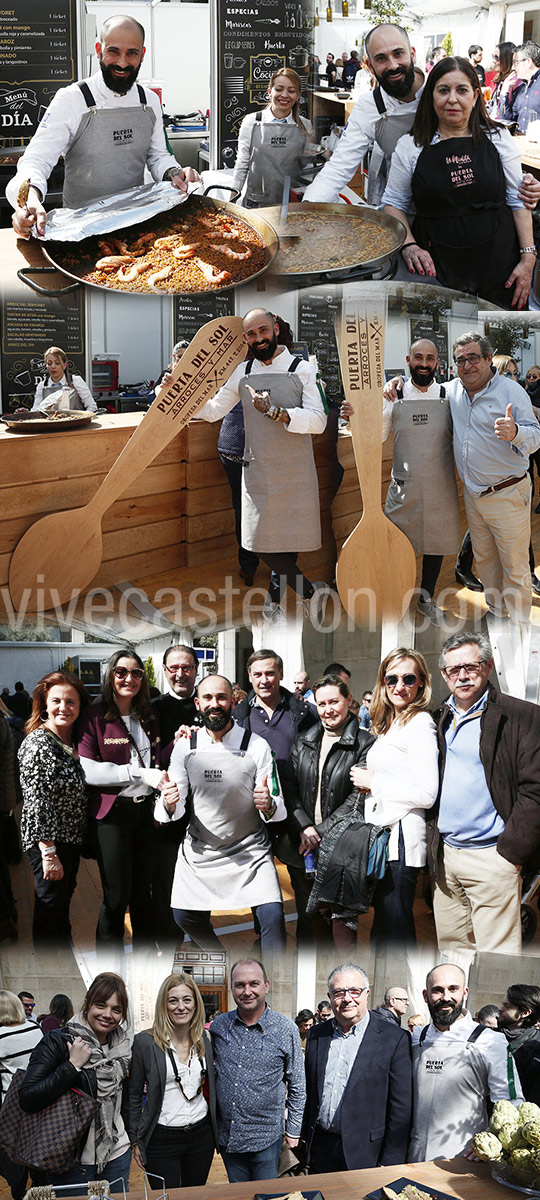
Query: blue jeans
{"type": "Point", "coordinates": [198, 926]}
{"type": "Point", "coordinates": [116, 1168]}
{"type": "Point", "coordinates": [253, 1164]}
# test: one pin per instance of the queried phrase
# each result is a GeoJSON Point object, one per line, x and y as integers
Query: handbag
{"type": "Point", "coordinates": [378, 852]}
{"type": "Point", "coordinates": [48, 1140]}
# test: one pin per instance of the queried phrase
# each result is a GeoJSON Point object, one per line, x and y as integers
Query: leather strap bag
{"type": "Point", "coordinates": [49, 1140]}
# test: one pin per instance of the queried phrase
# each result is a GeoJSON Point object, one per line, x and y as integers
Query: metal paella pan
{"type": "Point", "coordinates": [333, 239]}
{"type": "Point", "coordinates": [214, 233]}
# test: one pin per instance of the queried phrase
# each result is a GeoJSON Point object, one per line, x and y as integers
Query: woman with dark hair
{"type": "Point", "coordinates": [60, 1012]}
{"type": "Point", "coordinates": [504, 81]}
{"type": "Point", "coordinates": [174, 1136]}
{"type": "Point", "coordinates": [92, 1055]}
{"type": "Point", "coordinates": [461, 172]}
{"type": "Point", "coordinates": [120, 752]}
{"type": "Point", "coordinates": [62, 391]}
{"type": "Point", "coordinates": [55, 805]}
{"type": "Point", "coordinates": [402, 779]}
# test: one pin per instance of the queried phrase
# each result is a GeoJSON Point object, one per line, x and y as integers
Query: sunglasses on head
{"type": "Point", "coordinates": [122, 672]}
{"type": "Point", "coordinates": [393, 680]}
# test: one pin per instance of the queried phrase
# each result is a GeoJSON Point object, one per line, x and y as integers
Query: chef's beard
{"type": "Point", "coordinates": [216, 721]}
{"type": "Point", "coordinates": [266, 352]}
{"type": "Point", "coordinates": [119, 84]}
{"type": "Point", "coordinates": [398, 88]}
{"type": "Point", "coordinates": [422, 379]}
{"type": "Point", "coordinates": [445, 1019]}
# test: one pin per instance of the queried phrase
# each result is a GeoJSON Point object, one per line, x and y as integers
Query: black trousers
{"type": "Point", "coordinates": [52, 898]}
{"type": "Point", "coordinates": [182, 1156]}
{"type": "Point", "coordinates": [285, 574]}
{"type": "Point", "coordinates": [393, 901]}
{"type": "Point", "coordinates": [326, 1152]}
{"type": "Point", "coordinates": [127, 842]}
{"type": "Point", "coordinates": [431, 569]}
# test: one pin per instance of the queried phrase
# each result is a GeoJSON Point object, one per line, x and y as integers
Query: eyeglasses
{"type": "Point", "coordinates": [122, 673]}
{"type": "Point", "coordinates": [354, 993]}
{"type": "Point", "coordinates": [471, 669]}
{"type": "Point", "coordinates": [182, 669]}
{"type": "Point", "coordinates": [392, 681]}
{"type": "Point", "coordinates": [470, 359]}
{"type": "Point", "coordinates": [402, 999]}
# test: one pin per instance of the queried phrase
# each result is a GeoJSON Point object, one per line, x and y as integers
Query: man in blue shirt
{"type": "Point", "coordinates": [525, 104]}
{"type": "Point", "coordinates": [259, 1074]}
{"type": "Point", "coordinates": [495, 431]}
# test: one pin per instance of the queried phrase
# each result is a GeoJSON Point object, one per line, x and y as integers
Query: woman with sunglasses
{"type": "Point", "coordinates": [504, 82]}
{"type": "Point", "coordinates": [55, 804]}
{"type": "Point", "coordinates": [175, 1134]}
{"type": "Point", "coordinates": [120, 755]}
{"type": "Point", "coordinates": [402, 777]}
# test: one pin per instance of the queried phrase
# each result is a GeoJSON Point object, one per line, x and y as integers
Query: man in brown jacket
{"type": "Point", "coordinates": [486, 823]}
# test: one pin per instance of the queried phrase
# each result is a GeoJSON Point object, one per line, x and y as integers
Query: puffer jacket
{"type": "Point", "coordinates": [336, 786]}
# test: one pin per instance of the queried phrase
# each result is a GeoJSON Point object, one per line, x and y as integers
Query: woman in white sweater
{"type": "Point", "coordinates": [402, 779]}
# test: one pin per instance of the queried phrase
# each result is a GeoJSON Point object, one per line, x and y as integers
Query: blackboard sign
{"type": "Point", "coordinates": [190, 315]}
{"type": "Point", "coordinates": [38, 55]}
{"type": "Point", "coordinates": [250, 40]}
{"type": "Point", "coordinates": [317, 313]}
{"type": "Point", "coordinates": [29, 326]}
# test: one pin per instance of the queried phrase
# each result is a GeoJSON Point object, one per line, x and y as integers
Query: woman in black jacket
{"type": "Point", "coordinates": [92, 1054]}
{"type": "Point", "coordinates": [175, 1134]}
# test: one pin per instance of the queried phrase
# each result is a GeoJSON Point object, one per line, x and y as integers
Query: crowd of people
{"type": "Point", "coordinates": [253, 1082]}
{"type": "Point", "coordinates": [436, 150]}
{"type": "Point", "coordinates": [188, 801]}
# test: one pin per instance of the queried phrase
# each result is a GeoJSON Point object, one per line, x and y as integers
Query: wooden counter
{"type": "Point", "coordinates": [530, 155]}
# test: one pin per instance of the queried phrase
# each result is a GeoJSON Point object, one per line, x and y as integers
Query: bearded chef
{"type": "Point", "coordinates": [107, 129]}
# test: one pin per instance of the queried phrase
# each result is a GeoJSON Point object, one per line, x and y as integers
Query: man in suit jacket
{"type": "Point", "coordinates": [359, 1082]}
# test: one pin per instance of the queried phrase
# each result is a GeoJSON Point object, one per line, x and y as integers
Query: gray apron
{"type": "Point", "coordinates": [67, 398]}
{"type": "Point", "coordinates": [109, 151]}
{"type": "Point", "coordinates": [388, 130]}
{"type": "Point", "coordinates": [422, 499]}
{"type": "Point", "coordinates": [450, 1089]}
{"type": "Point", "coordinates": [225, 861]}
{"type": "Point", "coordinates": [276, 151]}
{"type": "Point", "coordinates": [280, 490]}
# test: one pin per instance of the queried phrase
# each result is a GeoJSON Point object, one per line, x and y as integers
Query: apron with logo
{"type": "Point", "coordinates": [65, 398]}
{"type": "Point", "coordinates": [225, 861]}
{"type": "Point", "coordinates": [388, 130]}
{"type": "Point", "coordinates": [276, 151]}
{"type": "Point", "coordinates": [450, 1089]}
{"type": "Point", "coordinates": [109, 152]}
{"type": "Point", "coordinates": [422, 499]}
{"type": "Point", "coordinates": [462, 218]}
{"type": "Point", "coordinates": [280, 490]}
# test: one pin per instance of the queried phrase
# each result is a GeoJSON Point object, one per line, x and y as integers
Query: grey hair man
{"type": "Point", "coordinates": [486, 821]}
{"type": "Point", "coordinates": [525, 103]}
{"type": "Point", "coordinates": [396, 1003]}
{"type": "Point", "coordinates": [356, 1063]}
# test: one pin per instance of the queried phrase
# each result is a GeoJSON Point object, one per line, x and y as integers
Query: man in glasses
{"type": "Point", "coordinates": [495, 431]}
{"type": "Point", "coordinates": [525, 104]}
{"type": "Point", "coordinates": [486, 822]}
{"type": "Point", "coordinates": [359, 1082]}
{"type": "Point", "coordinates": [396, 1003]}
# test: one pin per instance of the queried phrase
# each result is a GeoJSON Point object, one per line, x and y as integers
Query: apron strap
{"type": "Point", "coordinates": [245, 740]}
{"type": "Point", "coordinates": [399, 395]}
{"type": "Point", "coordinates": [442, 392]}
{"type": "Point", "coordinates": [142, 94]}
{"type": "Point", "coordinates": [249, 365]}
{"type": "Point", "coordinates": [295, 363]}
{"type": "Point", "coordinates": [510, 1074]}
{"type": "Point", "coordinates": [88, 97]}
{"type": "Point", "coordinates": [193, 739]}
{"type": "Point", "coordinates": [379, 102]}
{"type": "Point", "coordinates": [422, 1037]}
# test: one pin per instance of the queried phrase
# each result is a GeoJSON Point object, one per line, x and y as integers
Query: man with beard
{"type": "Point", "coordinates": [108, 128]}
{"type": "Point", "coordinates": [423, 502]}
{"type": "Point", "coordinates": [280, 491]}
{"type": "Point", "coordinates": [227, 785]}
{"type": "Point", "coordinates": [458, 1067]}
{"type": "Point", "coordinates": [519, 1020]}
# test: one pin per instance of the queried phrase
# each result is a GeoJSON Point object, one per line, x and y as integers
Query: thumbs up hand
{"type": "Point", "coordinates": [505, 427]}
{"type": "Point", "coordinates": [261, 795]}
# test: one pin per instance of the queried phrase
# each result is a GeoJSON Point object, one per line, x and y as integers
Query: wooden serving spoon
{"type": "Point", "coordinates": [61, 553]}
{"type": "Point", "coordinates": [376, 569]}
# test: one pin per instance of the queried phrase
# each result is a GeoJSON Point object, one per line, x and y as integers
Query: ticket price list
{"type": "Point", "coordinates": [316, 326]}
{"type": "Point", "coordinates": [190, 314]}
{"type": "Point", "coordinates": [28, 328]}
{"type": "Point", "coordinates": [37, 56]}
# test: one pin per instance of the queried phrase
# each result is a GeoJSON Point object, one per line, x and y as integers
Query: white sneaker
{"type": "Point", "coordinates": [428, 609]}
{"type": "Point", "coordinates": [273, 611]}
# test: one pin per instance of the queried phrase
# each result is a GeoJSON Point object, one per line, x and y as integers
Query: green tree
{"type": "Point", "coordinates": [447, 44]}
{"type": "Point", "coordinates": [381, 11]}
{"type": "Point", "coordinates": [506, 337]}
{"type": "Point", "coordinates": [150, 673]}
{"type": "Point", "coordinates": [69, 665]}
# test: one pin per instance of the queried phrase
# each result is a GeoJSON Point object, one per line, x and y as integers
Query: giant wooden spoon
{"type": "Point", "coordinates": [61, 553]}
{"type": "Point", "coordinates": [376, 569]}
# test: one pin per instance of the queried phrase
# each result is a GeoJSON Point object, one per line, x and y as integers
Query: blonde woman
{"type": "Point", "coordinates": [62, 390]}
{"type": "Point", "coordinates": [402, 778]}
{"type": "Point", "coordinates": [273, 143]}
{"type": "Point", "coordinates": [175, 1135]}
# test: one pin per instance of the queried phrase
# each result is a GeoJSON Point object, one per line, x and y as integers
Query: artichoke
{"type": "Point", "coordinates": [531, 1132]}
{"type": "Point", "coordinates": [504, 1113]}
{"type": "Point", "coordinates": [522, 1162]}
{"type": "Point", "coordinates": [487, 1147]}
{"type": "Point", "coordinates": [527, 1111]}
{"type": "Point", "coordinates": [509, 1136]}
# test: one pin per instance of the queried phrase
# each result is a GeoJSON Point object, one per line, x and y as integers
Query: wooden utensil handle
{"type": "Point", "coordinates": [211, 358]}
{"type": "Point", "coordinates": [361, 356]}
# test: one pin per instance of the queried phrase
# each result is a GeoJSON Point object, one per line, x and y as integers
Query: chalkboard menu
{"type": "Point", "coordinates": [317, 311]}
{"type": "Point", "coordinates": [250, 40]}
{"type": "Point", "coordinates": [29, 326]}
{"type": "Point", "coordinates": [38, 55]}
{"type": "Point", "coordinates": [422, 327]}
{"type": "Point", "coordinates": [190, 314]}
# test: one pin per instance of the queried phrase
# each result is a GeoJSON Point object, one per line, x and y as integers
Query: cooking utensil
{"type": "Point", "coordinates": [61, 553]}
{"type": "Point", "coordinates": [36, 422]}
{"type": "Point", "coordinates": [376, 569]}
{"type": "Point", "coordinates": [340, 221]}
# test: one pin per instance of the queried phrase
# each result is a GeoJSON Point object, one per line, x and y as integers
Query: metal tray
{"type": "Point", "coordinates": [35, 422]}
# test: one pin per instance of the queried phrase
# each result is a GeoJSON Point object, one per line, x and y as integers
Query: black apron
{"type": "Point", "coordinates": [459, 192]}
